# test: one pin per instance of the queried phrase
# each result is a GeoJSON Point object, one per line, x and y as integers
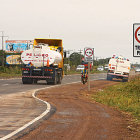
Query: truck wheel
{"type": "Point", "coordinates": [24, 80]}
{"type": "Point", "coordinates": [30, 81]}
{"type": "Point", "coordinates": [125, 80]}
{"type": "Point", "coordinates": [48, 83]}
{"type": "Point", "coordinates": [35, 81]}
{"type": "Point", "coordinates": [55, 81]}
{"type": "Point", "coordinates": [27, 80]}
{"type": "Point", "coordinates": [59, 79]}
{"type": "Point", "coordinates": [109, 77]}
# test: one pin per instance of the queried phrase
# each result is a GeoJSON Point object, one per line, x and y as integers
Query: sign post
{"type": "Point", "coordinates": [88, 76]}
{"type": "Point", "coordinates": [88, 55]}
{"type": "Point", "coordinates": [136, 40]}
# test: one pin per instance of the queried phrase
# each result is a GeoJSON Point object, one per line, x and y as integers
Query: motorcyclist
{"type": "Point", "coordinates": [84, 74]}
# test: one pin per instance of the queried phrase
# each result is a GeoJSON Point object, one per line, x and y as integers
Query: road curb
{"type": "Point", "coordinates": [38, 120]}
{"type": "Point", "coordinates": [50, 110]}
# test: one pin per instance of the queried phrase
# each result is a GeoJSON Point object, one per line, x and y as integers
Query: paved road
{"type": "Point", "coordinates": [16, 86]}
{"type": "Point", "coordinates": [17, 105]}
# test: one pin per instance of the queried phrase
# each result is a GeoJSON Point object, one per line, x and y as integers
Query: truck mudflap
{"type": "Point", "coordinates": [118, 75]}
{"type": "Point", "coordinates": [38, 77]}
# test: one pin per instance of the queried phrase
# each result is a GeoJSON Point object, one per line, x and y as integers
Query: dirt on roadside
{"type": "Point", "coordinates": [79, 118]}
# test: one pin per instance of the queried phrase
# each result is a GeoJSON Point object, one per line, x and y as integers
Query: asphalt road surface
{"type": "Point", "coordinates": [17, 105]}
{"type": "Point", "coordinates": [16, 86]}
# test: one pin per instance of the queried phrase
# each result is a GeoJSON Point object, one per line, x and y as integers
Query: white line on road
{"type": "Point", "coordinates": [5, 84]}
{"type": "Point", "coordinates": [42, 115]}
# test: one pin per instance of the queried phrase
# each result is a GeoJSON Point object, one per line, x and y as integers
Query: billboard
{"type": "Point", "coordinates": [18, 46]}
{"type": "Point", "coordinates": [13, 59]}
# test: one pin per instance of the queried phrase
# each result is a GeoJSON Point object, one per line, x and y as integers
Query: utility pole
{"type": "Point", "coordinates": [88, 76]}
{"type": "Point", "coordinates": [2, 37]}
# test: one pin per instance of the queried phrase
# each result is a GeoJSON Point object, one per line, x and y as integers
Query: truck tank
{"type": "Point", "coordinates": [41, 55]}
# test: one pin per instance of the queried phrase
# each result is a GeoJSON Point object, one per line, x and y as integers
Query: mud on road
{"type": "Point", "coordinates": [79, 118]}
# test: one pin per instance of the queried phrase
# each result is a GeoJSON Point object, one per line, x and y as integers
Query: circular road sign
{"type": "Point", "coordinates": [89, 52]}
{"type": "Point", "coordinates": [137, 34]}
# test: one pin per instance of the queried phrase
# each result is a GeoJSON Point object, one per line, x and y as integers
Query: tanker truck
{"type": "Point", "coordinates": [43, 62]}
{"type": "Point", "coordinates": [119, 67]}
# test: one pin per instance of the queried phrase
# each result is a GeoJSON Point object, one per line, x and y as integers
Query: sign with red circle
{"type": "Point", "coordinates": [137, 35]}
{"type": "Point", "coordinates": [136, 40]}
{"type": "Point", "coordinates": [88, 54]}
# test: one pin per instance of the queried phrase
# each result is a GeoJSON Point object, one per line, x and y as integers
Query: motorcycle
{"type": "Point", "coordinates": [84, 78]}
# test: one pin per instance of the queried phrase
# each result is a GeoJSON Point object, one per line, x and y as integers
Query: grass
{"type": "Point", "coordinates": [124, 96]}
{"type": "Point", "coordinates": [8, 72]}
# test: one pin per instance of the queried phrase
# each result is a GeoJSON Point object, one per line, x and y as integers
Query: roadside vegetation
{"type": "Point", "coordinates": [8, 72]}
{"type": "Point", "coordinates": [124, 96]}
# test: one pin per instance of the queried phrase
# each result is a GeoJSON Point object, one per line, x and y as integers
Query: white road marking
{"type": "Point", "coordinates": [22, 92]}
{"type": "Point", "coordinates": [42, 115]}
{"type": "Point", "coordinates": [5, 84]}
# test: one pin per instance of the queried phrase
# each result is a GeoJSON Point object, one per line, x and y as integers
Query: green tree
{"type": "Point", "coordinates": [103, 61]}
{"type": "Point", "coordinates": [75, 59]}
{"type": "Point", "coordinates": [1, 57]}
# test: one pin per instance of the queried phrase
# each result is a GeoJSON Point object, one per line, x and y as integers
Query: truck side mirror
{"type": "Point", "coordinates": [65, 54]}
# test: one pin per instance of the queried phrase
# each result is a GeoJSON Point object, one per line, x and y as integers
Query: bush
{"type": "Point", "coordinates": [10, 71]}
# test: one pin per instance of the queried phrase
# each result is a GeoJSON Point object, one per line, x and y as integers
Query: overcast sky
{"type": "Point", "coordinates": [105, 25]}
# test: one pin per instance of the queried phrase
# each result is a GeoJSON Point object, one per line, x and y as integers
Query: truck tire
{"type": "Point", "coordinates": [59, 79]}
{"type": "Point", "coordinates": [27, 80]}
{"type": "Point", "coordinates": [109, 77]}
{"type": "Point", "coordinates": [55, 80]}
{"type": "Point", "coordinates": [125, 80]}
{"type": "Point", "coordinates": [30, 81]}
{"type": "Point", "coordinates": [35, 81]}
{"type": "Point", "coordinates": [24, 80]}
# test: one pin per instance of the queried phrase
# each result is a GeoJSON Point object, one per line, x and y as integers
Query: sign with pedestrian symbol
{"type": "Point", "coordinates": [88, 54]}
{"type": "Point", "coordinates": [136, 40]}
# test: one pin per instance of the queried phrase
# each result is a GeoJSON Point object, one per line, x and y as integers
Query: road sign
{"type": "Point", "coordinates": [136, 40]}
{"type": "Point", "coordinates": [88, 54]}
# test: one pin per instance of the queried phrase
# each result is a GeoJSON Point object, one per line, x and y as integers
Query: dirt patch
{"type": "Point", "coordinates": [78, 118]}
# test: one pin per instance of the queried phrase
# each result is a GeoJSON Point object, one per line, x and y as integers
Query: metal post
{"type": "Point", "coordinates": [88, 76]}
{"type": "Point", "coordinates": [2, 51]}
